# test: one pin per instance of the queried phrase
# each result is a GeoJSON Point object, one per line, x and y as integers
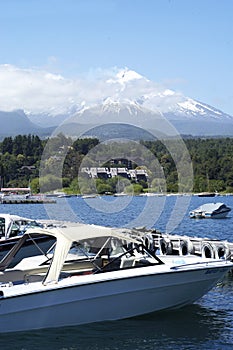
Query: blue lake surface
{"type": "Point", "coordinates": [208, 324]}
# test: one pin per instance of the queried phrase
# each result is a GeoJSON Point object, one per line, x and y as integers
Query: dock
{"type": "Point", "coordinates": [26, 200]}
{"type": "Point", "coordinates": [22, 195]}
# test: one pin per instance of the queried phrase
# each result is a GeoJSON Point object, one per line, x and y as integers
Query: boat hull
{"type": "Point", "coordinates": [221, 215]}
{"type": "Point", "coordinates": [209, 215]}
{"type": "Point", "coordinates": [102, 297]}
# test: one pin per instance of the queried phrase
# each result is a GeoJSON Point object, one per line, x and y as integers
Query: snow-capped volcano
{"type": "Point", "coordinates": [173, 105]}
{"type": "Point", "coordinates": [114, 95]}
{"type": "Point", "coordinates": [130, 91]}
{"type": "Point", "coordinates": [197, 120]}
{"type": "Point", "coordinates": [137, 101]}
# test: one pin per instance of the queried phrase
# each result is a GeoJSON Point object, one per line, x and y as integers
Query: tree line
{"type": "Point", "coordinates": [24, 157]}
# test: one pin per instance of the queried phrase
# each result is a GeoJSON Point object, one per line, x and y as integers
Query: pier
{"type": "Point", "coordinates": [29, 200]}
{"type": "Point", "coordinates": [22, 195]}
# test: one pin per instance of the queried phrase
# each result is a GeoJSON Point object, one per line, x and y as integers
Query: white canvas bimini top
{"type": "Point", "coordinates": [74, 232]}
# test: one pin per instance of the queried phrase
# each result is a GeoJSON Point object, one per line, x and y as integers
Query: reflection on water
{"type": "Point", "coordinates": [192, 327]}
{"type": "Point", "coordinates": [221, 297]}
{"type": "Point", "coordinates": [206, 325]}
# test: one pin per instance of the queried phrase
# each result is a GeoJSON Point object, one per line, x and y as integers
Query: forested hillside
{"type": "Point", "coordinates": [20, 164]}
{"type": "Point", "coordinates": [212, 161]}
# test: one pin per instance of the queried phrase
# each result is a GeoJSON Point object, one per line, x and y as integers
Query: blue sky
{"type": "Point", "coordinates": [186, 45]}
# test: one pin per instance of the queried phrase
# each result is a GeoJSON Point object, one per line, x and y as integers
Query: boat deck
{"type": "Point", "coordinates": [183, 245]}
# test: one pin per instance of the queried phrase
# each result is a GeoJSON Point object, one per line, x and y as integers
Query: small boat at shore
{"type": "Point", "coordinates": [87, 196]}
{"type": "Point", "coordinates": [111, 276]}
{"type": "Point", "coordinates": [210, 210]}
{"type": "Point", "coordinates": [207, 194]}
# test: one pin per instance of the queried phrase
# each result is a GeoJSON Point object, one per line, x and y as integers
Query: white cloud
{"type": "Point", "coordinates": [39, 91]}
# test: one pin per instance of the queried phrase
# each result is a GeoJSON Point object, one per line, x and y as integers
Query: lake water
{"type": "Point", "coordinates": [208, 324]}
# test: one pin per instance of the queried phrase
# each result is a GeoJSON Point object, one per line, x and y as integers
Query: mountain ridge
{"type": "Point", "coordinates": [123, 97]}
{"type": "Point", "coordinates": [132, 113]}
{"type": "Point", "coordinates": [16, 122]}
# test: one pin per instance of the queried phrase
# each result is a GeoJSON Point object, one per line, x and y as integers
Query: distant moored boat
{"type": "Point", "coordinates": [210, 210]}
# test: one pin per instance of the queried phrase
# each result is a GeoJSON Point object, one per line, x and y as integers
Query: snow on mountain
{"type": "Point", "coordinates": [153, 96]}
{"type": "Point", "coordinates": [114, 111]}
{"type": "Point", "coordinates": [124, 76]}
{"type": "Point", "coordinates": [115, 106]}
{"type": "Point", "coordinates": [191, 108]}
{"type": "Point", "coordinates": [129, 90]}
{"type": "Point", "coordinates": [187, 117]}
{"type": "Point", "coordinates": [119, 95]}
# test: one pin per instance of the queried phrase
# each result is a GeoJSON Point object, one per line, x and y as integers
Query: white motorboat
{"type": "Point", "coordinates": [210, 210]}
{"type": "Point", "coordinates": [87, 196]}
{"type": "Point", "coordinates": [12, 227]}
{"type": "Point", "coordinates": [110, 275]}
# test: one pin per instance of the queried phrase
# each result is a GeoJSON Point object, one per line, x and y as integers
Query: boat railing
{"type": "Point", "coordinates": [205, 263]}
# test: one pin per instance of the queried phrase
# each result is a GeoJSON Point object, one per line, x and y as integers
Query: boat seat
{"type": "Point", "coordinates": [16, 276]}
{"type": "Point", "coordinates": [127, 262]}
{"type": "Point", "coordinates": [11, 276]}
{"type": "Point", "coordinates": [33, 278]}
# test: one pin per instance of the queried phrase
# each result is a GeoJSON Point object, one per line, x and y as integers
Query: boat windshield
{"type": "Point", "coordinates": [110, 253]}
{"type": "Point", "coordinates": [2, 227]}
